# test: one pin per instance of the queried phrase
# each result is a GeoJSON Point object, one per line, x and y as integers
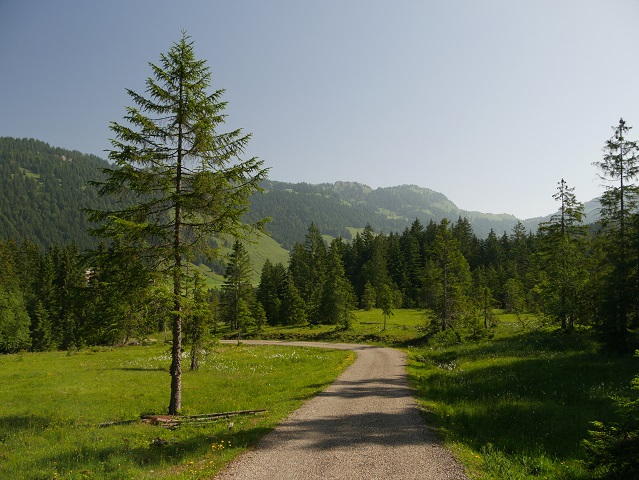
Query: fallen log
{"type": "Point", "coordinates": [176, 420]}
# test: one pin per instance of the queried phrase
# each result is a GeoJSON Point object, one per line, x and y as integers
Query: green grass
{"type": "Point", "coordinates": [53, 404]}
{"type": "Point", "coordinates": [517, 406]}
{"type": "Point", "coordinates": [368, 327]}
{"type": "Point", "coordinates": [512, 407]}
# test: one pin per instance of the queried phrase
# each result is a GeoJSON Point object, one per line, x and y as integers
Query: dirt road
{"type": "Point", "coordinates": [364, 426]}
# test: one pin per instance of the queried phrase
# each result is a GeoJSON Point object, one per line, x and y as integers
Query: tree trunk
{"type": "Point", "coordinates": [175, 404]}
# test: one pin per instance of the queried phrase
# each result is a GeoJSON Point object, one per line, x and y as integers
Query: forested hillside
{"type": "Point", "coordinates": [44, 190]}
{"type": "Point", "coordinates": [333, 207]}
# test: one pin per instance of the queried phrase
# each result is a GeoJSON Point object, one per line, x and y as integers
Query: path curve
{"type": "Point", "coordinates": [365, 425]}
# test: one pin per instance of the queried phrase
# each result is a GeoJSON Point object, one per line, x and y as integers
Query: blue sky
{"type": "Point", "coordinates": [489, 102]}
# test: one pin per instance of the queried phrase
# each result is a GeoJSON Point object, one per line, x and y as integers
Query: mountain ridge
{"type": "Point", "coordinates": [45, 189]}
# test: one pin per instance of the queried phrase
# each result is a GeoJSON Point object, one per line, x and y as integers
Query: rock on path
{"type": "Point", "coordinates": [365, 425]}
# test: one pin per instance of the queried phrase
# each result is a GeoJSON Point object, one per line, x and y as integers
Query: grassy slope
{"type": "Point", "coordinates": [263, 248]}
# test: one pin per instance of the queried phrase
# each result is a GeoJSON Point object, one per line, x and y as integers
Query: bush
{"type": "Point", "coordinates": [613, 449]}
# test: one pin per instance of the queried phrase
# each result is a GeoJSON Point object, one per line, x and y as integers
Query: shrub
{"type": "Point", "coordinates": [614, 448]}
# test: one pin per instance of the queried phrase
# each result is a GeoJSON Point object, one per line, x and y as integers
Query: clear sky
{"type": "Point", "coordinates": [490, 102]}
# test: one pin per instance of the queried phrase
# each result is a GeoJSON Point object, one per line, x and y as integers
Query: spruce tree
{"type": "Point", "coordinates": [180, 180]}
{"type": "Point", "coordinates": [337, 300]}
{"type": "Point", "coordinates": [449, 277]}
{"type": "Point", "coordinates": [619, 169]}
{"type": "Point", "coordinates": [237, 289]}
{"type": "Point", "coordinates": [561, 240]}
{"type": "Point", "coordinates": [386, 302]}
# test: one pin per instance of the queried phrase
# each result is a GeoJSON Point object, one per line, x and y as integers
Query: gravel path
{"type": "Point", "coordinates": [365, 425]}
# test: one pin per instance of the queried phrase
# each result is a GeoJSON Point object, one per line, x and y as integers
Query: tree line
{"type": "Point", "coordinates": [567, 272]}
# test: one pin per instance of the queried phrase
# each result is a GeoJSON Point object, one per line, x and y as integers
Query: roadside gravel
{"type": "Point", "coordinates": [365, 425]}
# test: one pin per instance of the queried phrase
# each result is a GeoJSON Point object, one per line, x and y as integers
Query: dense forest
{"type": "Point", "coordinates": [565, 273]}
{"type": "Point", "coordinates": [44, 190]}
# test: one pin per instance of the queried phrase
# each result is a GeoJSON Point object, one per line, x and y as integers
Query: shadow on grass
{"type": "Point", "coordinates": [162, 451]}
{"type": "Point", "coordinates": [536, 392]}
{"type": "Point", "coordinates": [141, 369]}
{"type": "Point", "coordinates": [11, 423]}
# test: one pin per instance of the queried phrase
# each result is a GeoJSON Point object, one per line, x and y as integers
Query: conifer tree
{"type": "Point", "coordinates": [237, 289]}
{"type": "Point", "coordinates": [619, 168]}
{"type": "Point", "coordinates": [337, 297]}
{"type": "Point", "coordinates": [180, 179]}
{"type": "Point", "coordinates": [564, 261]}
{"type": "Point", "coordinates": [449, 277]}
{"type": "Point", "coordinates": [293, 310]}
{"type": "Point", "coordinates": [271, 290]}
{"type": "Point", "coordinates": [306, 266]}
{"type": "Point", "coordinates": [386, 303]}
{"type": "Point", "coordinates": [199, 320]}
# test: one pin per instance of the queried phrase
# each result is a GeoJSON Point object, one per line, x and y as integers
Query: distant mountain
{"type": "Point", "coordinates": [44, 190]}
{"type": "Point", "coordinates": [334, 207]}
{"type": "Point", "coordinates": [591, 211]}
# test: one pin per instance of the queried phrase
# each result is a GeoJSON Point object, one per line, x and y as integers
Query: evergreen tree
{"type": "Point", "coordinates": [468, 243]}
{"type": "Point", "coordinates": [47, 296]}
{"type": "Point", "coordinates": [337, 299]}
{"type": "Point", "coordinates": [564, 260]}
{"type": "Point", "coordinates": [14, 319]}
{"type": "Point", "coordinates": [14, 322]}
{"type": "Point", "coordinates": [237, 289]}
{"type": "Point", "coordinates": [396, 265]}
{"type": "Point", "coordinates": [369, 297]}
{"type": "Point", "coordinates": [619, 168]}
{"type": "Point", "coordinates": [271, 290]}
{"type": "Point", "coordinates": [121, 297]}
{"type": "Point", "coordinates": [306, 266]}
{"type": "Point", "coordinates": [258, 314]}
{"type": "Point", "coordinates": [199, 320]}
{"type": "Point", "coordinates": [414, 262]}
{"type": "Point", "coordinates": [181, 181]}
{"type": "Point", "coordinates": [68, 280]}
{"type": "Point", "coordinates": [386, 303]}
{"type": "Point", "coordinates": [293, 308]}
{"type": "Point", "coordinates": [41, 334]}
{"type": "Point", "coordinates": [448, 278]}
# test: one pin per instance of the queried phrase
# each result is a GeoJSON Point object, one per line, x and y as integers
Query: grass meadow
{"type": "Point", "coordinates": [403, 328]}
{"type": "Point", "coordinates": [514, 406]}
{"type": "Point", "coordinates": [517, 406]}
{"type": "Point", "coordinates": [54, 403]}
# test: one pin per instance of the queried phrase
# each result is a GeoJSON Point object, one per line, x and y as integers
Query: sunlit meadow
{"type": "Point", "coordinates": [55, 403]}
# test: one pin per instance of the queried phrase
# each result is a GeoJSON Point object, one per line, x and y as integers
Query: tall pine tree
{"type": "Point", "coordinates": [619, 169]}
{"type": "Point", "coordinates": [180, 179]}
